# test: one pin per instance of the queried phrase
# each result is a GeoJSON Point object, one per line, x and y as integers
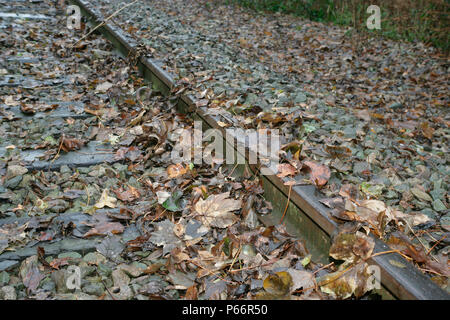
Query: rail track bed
{"type": "Point", "coordinates": [89, 183]}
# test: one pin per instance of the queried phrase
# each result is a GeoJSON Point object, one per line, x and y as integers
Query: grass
{"type": "Point", "coordinates": [410, 20]}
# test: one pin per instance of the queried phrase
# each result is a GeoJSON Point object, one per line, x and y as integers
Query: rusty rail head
{"type": "Point", "coordinates": [404, 283]}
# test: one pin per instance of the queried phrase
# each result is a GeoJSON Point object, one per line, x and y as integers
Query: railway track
{"type": "Point", "coordinates": [305, 216]}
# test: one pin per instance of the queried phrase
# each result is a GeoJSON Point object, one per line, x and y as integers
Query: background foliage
{"type": "Point", "coordinates": [423, 20]}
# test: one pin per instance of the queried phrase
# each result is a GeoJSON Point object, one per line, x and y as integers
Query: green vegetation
{"type": "Point", "coordinates": [412, 20]}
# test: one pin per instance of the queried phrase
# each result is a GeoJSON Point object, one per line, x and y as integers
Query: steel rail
{"type": "Point", "coordinates": [306, 215]}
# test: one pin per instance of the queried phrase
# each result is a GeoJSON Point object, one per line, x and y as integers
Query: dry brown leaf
{"type": "Point", "coordinates": [191, 293]}
{"type": "Point", "coordinates": [285, 169]}
{"type": "Point", "coordinates": [176, 170]}
{"type": "Point", "coordinates": [217, 210]}
{"type": "Point", "coordinates": [320, 174]}
{"type": "Point", "coordinates": [346, 282]}
{"type": "Point", "coordinates": [129, 195]}
{"type": "Point", "coordinates": [68, 144]}
{"type": "Point", "coordinates": [103, 228]}
{"type": "Point", "coordinates": [427, 131]}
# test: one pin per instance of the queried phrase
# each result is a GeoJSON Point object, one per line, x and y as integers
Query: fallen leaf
{"type": "Point", "coordinates": [216, 210]}
{"type": "Point", "coordinates": [176, 170]}
{"type": "Point", "coordinates": [129, 195]}
{"type": "Point", "coordinates": [427, 131]}
{"type": "Point", "coordinates": [59, 262]}
{"type": "Point", "coordinates": [164, 236]}
{"type": "Point", "coordinates": [351, 246]}
{"type": "Point", "coordinates": [320, 174]}
{"type": "Point", "coordinates": [347, 281]}
{"type": "Point", "coordinates": [103, 228]}
{"type": "Point", "coordinates": [285, 169]}
{"type": "Point", "coordinates": [30, 274]}
{"type": "Point", "coordinates": [191, 293]}
{"type": "Point", "coordinates": [27, 108]}
{"type": "Point", "coordinates": [103, 87]}
{"type": "Point", "coordinates": [173, 202]}
{"type": "Point", "coordinates": [338, 151]}
{"type": "Point", "coordinates": [301, 280]}
{"type": "Point", "coordinates": [278, 284]}
{"type": "Point", "coordinates": [68, 144]}
{"type": "Point", "coordinates": [105, 201]}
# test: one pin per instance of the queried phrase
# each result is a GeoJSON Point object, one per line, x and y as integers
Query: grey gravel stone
{"type": "Point", "coordinates": [8, 293]}
{"type": "Point", "coordinates": [94, 288]}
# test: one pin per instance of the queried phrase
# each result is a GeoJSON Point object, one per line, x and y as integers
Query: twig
{"type": "Point", "coordinates": [103, 23]}
{"type": "Point", "coordinates": [235, 257]}
{"type": "Point", "coordinates": [287, 203]}
{"type": "Point", "coordinates": [324, 267]}
{"type": "Point", "coordinates": [59, 150]}
{"type": "Point", "coordinates": [341, 273]}
{"type": "Point", "coordinates": [235, 166]}
{"type": "Point", "coordinates": [252, 267]}
{"type": "Point", "coordinates": [423, 245]}
{"type": "Point", "coordinates": [432, 271]}
{"type": "Point", "coordinates": [434, 245]}
{"type": "Point", "coordinates": [390, 251]}
{"type": "Point", "coordinates": [158, 216]}
{"type": "Point", "coordinates": [104, 284]}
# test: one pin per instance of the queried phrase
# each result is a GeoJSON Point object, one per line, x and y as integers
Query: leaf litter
{"type": "Point", "coordinates": [214, 254]}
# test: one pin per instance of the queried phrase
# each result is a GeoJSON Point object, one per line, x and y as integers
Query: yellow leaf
{"type": "Point", "coordinates": [105, 201]}
{"type": "Point", "coordinates": [278, 284]}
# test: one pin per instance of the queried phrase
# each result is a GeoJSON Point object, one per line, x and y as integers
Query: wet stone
{"type": "Point", "coordinates": [430, 213]}
{"type": "Point", "coordinates": [395, 106]}
{"type": "Point", "coordinates": [438, 205]}
{"type": "Point", "coordinates": [13, 182]}
{"type": "Point", "coordinates": [47, 284]}
{"type": "Point", "coordinates": [8, 264]}
{"type": "Point", "coordinates": [445, 222]}
{"type": "Point", "coordinates": [73, 255]}
{"type": "Point", "coordinates": [300, 97]}
{"type": "Point", "coordinates": [94, 288]}
{"type": "Point", "coordinates": [15, 170]}
{"type": "Point", "coordinates": [75, 296]}
{"type": "Point", "coordinates": [94, 258]}
{"type": "Point", "coordinates": [8, 293]}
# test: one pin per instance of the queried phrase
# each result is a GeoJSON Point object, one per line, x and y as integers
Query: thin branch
{"type": "Point", "coordinates": [103, 23]}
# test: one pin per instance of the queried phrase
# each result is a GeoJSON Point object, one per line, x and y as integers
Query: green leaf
{"type": "Point", "coordinates": [374, 190]}
{"type": "Point", "coordinates": [51, 140]}
{"type": "Point", "coordinates": [226, 246]}
{"type": "Point", "coordinates": [306, 260]}
{"type": "Point", "coordinates": [173, 202]}
{"type": "Point", "coordinates": [308, 128]}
